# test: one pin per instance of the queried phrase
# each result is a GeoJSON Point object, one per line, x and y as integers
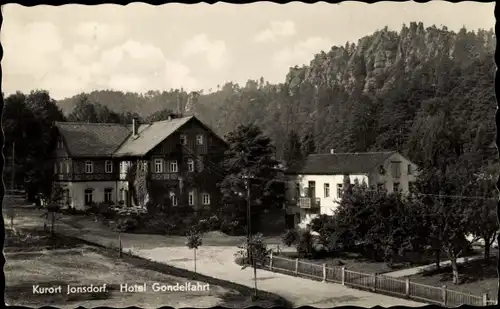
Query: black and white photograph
{"type": "Point", "coordinates": [260, 154]}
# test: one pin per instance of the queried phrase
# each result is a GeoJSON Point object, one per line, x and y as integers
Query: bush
{"type": "Point", "coordinates": [290, 237]}
{"type": "Point", "coordinates": [258, 250]}
{"type": "Point", "coordinates": [305, 244]}
{"type": "Point", "coordinates": [231, 227]}
{"type": "Point", "coordinates": [213, 223]}
{"type": "Point", "coordinates": [126, 224]}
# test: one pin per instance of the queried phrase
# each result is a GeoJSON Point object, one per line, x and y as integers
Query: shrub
{"type": "Point", "coordinates": [305, 244]}
{"type": "Point", "coordinates": [201, 226]}
{"type": "Point", "coordinates": [258, 251]}
{"type": "Point", "coordinates": [126, 224]}
{"type": "Point", "coordinates": [290, 237]}
{"type": "Point", "coordinates": [213, 223]}
{"type": "Point", "coordinates": [231, 227]}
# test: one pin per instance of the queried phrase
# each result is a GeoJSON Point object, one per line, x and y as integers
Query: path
{"type": "Point", "coordinates": [415, 270]}
{"type": "Point", "coordinates": [218, 262]}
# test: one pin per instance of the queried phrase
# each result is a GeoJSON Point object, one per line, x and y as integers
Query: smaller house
{"type": "Point", "coordinates": [315, 185]}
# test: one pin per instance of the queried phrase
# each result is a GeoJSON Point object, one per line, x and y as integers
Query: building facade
{"type": "Point", "coordinates": [315, 185]}
{"type": "Point", "coordinates": [176, 161]}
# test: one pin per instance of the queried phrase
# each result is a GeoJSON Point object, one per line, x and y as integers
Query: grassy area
{"type": "Point", "coordinates": [56, 262]}
{"type": "Point", "coordinates": [351, 261]}
{"type": "Point", "coordinates": [358, 262]}
{"type": "Point", "coordinates": [477, 277]}
{"type": "Point", "coordinates": [36, 258]}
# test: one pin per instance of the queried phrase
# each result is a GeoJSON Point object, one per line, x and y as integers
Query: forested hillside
{"type": "Point", "coordinates": [391, 90]}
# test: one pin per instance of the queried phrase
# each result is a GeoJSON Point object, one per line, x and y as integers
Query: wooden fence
{"type": "Point", "coordinates": [377, 283]}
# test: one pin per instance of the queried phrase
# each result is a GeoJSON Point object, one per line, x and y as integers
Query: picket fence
{"type": "Point", "coordinates": [376, 283]}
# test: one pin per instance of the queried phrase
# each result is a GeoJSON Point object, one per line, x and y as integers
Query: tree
{"type": "Point", "coordinates": [84, 111]}
{"type": "Point", "coordinates": [250, 160]}
{"type": "Point", "coordinates": [28, 121]}
{"type": "Point", "coordinates": [445, 217]}
{"type": "Point", "coordinates": [482, 210]}
{"type": "Point", "coordinates": [259, 255]}
{"type": "Point", "coordinates": [194, 241]}
{"type": "Point", "coordinates": [292, 151]}
{"type": "Point", "coordinates": [308, 144]}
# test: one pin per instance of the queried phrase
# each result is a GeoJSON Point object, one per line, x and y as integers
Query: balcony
{"type": "Point", "coordinates": [308, 202]}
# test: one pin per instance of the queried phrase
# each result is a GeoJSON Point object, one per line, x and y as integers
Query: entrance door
{"type": "Point", "coordinates": [312, 189]}
{"type": "Point", "coordinates": [290, 221]}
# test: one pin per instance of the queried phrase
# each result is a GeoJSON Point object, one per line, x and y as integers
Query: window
{"type": "Point", "coordinates": [395, 187]}
{"type": "Point", "coordinates": [190, 164]}
{"type": "Point", "coordinates": [396, 169]}
{"type": "Point", "coordinates": [173, 199]}
{"type": "Point", "coordinates": [199, 139]}
{"type": "Point", "coordinates": [67, 167]}
{"type": "Point", "coordinates": [108, 195]}
{"type": "Point", "coordinates": [88, 196]}
{"type": "Point", "coordinates": [123, 167]}
{"type": "Point", "coordinates": [199, 164]}
{"type": "Point", "coordinates": [339, 190]}
{"type": "Point", "coordinates": [410, 169]}
{"type": "Point", "coordinates": [108, 166]}
{"type": "Point", "coordinates": [173, 166]}
{"type": "Point", "coordinates": [61, 167]}
{"type": "Point", "coordinates": [89, 167]}
{"type": "Point", "coordinates": [297, 189]}
{"type": "Point", "coordinates": [381, 186]}
{"type": "Point", "coordinates": [60, 143]}
{"type": "Point", "coordinates": [191, 198]}
{"type": "Point", "coordinates": [183, 139]}
{"type": "Point", "coordinates": [158, 166]}
{"type": "Point", "coordinates": [205, 197]}
{"type": "Point", "coordinates": [55, 168]}
{"type": "Point", "coordinates": [326, 188]}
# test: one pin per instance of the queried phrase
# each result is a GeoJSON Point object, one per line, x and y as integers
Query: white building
{"type": "Point", "coordinates": [315, 185]}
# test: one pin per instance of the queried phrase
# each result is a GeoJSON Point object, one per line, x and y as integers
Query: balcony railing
{"type": "Point", "coordinates": [309, 202]}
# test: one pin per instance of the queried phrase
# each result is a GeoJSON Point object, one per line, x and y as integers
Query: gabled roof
{"type": "Point", "coordinates": [109, 139]}
{"type": "Point", "coordinates": [92, 139]}
{"type": "Point", "coordinates": [149, 136]}
{"type": "Point", "coordinates": [340, 163]}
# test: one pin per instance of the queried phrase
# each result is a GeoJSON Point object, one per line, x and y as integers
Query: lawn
{"type": "Point", "coordinates": [357, 262]}
{"type": "Point", "coordinates": [46, 264]}
{"type": "Point", "coordinates": [35, 258]}
{"type": "Point", "coordinates": [477, 277]}
{"type": "Point", "coordinates": [351, 261]}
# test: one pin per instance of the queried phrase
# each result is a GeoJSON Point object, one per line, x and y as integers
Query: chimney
{"type": "Point", "coordinates": [135, 126]}
{"type": "Point", "coordinates": [332, 151]}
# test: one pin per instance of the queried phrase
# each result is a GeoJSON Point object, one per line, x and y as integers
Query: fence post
{"type": "Point", "coordinates": [443, 292]}
{"type": "Point", "coordinates": [407, 287]}
{"type": "Point", "coordinates": [324, 272]}
{"type": "Point", "coordinates": [374, 288]}
{"type": "Point", "coordinates": [297, 266]}
{"type": "Point", "coordinates": [271, 261]}
{"type": "Point", "coordinates": [343, 275]}
{"type": "Point", "coordinates": [485, 299]}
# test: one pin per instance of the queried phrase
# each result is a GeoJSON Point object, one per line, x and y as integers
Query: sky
{"type": "Point", "coordinates": [72, 49]}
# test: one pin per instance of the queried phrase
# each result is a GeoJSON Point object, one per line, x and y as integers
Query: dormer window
{"type": "Point", "coordinates": [183, 139]}
{"type": "Point", "coordinates": [89, 167]}
{"type": "Point", "coordinates": [60, 143]}
{"type": "Point", "coordinates": [199, 139]}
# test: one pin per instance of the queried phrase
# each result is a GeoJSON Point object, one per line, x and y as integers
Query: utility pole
{"type": "Point", "coordinates": [13, 177]}
{"type": "Point", "coordinates": [249, 232]}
